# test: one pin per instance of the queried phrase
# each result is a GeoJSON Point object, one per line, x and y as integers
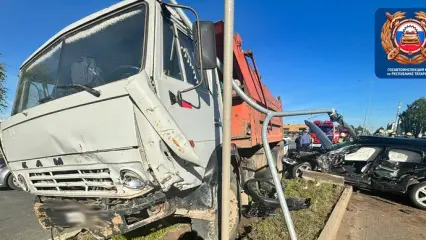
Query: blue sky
{"type": "Point", "coordinates": [312, 54]}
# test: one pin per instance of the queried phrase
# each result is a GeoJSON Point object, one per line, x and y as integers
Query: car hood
{"type": "Point", "coordinates": [325, 141]}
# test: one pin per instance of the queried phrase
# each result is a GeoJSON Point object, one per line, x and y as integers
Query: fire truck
{"type": "Point", "coordinates": [329, 128]}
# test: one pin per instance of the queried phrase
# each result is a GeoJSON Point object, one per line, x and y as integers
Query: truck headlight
{"type": "Point", "coordinates": [132, 180]}
{"type": "Point", "coordinates": [22, 183]}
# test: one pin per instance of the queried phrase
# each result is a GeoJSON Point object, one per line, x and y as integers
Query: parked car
{"type": "Point", "coordinates": [6, 177]}
{"type": "Point", "coordinates": [396, 165]}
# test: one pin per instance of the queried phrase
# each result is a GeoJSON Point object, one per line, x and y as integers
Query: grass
{"type": "Point", "coordinates": [308, 222]}
{"type": "Point", "coordinates": [154, 231]}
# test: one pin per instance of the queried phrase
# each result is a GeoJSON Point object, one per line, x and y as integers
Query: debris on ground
{"type": "Point", "coordinates": [308, 222]}
{"type": "Point", "coordinates": [168, 228]}
{"type": "Point", "coordinates": [268, 225]}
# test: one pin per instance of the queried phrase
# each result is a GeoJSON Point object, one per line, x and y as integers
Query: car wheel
{"type": "Point", "coordinates": [418, 195]}
{"type": "Point", "coordinates": [297, 169]}
{"type": "Point", "coordinates": [13, 183]}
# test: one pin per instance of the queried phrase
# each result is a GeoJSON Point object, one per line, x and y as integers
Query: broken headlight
{"type": "Point", "coordinates": [132, 180]}
{"type": "Point", "coordinates": [289, 161]}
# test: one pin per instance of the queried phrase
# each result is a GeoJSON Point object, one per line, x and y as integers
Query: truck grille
{"type": "Point", "coordinates": [73, 181]}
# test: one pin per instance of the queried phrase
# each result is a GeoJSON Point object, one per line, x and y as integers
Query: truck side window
{"type": "Point", "coordinates": [187, 48]}
{"type": "Point", "coordinates": [170, 55]}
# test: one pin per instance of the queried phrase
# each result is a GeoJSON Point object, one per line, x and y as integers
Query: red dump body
{"type": "Point", "coordinates": [246, 121]}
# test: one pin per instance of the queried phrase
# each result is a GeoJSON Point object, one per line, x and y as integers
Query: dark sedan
{"type": "Point", "coordinates": [396, 165]}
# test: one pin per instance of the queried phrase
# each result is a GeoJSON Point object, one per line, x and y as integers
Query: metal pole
{"type": "Point", "coordinates": [228, 85]}
{"type": "Point", "coordinates": [269, 157]}
{"type": "Point", "coordinates": [228, 54]}
{"type": "Point", "coordinates": [368, 108]}
{"type": "Point", "coordinates": [182, 15]}
{"type": "Point", "coordinates": [397, 117]}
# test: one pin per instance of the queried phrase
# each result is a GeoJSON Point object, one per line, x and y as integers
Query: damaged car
{"type": "Point", "coordinates": [395, 165]}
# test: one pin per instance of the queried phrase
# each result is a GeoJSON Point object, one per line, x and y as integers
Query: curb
{"type": "Point", "coordinates": [321, 177]}
{"type": "Point", "coordinates": [330, 229]}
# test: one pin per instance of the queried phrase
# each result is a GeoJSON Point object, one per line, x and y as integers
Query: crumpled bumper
{"type": "Point", "coordinates": [103, 220]}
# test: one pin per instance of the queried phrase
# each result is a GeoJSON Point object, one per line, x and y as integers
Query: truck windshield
{"type": "Point", "coordinates": [327, 129]}
{"type": "Point", "coordinates": [101, 53]}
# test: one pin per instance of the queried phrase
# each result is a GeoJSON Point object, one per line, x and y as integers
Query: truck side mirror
{"type": "Point", "coordinates": [207, 45]}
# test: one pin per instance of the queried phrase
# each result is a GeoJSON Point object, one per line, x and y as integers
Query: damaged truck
{"type": "Point", "coordinates": [116, 122]}
{"type": "Point", "coordinates": [387, 164]}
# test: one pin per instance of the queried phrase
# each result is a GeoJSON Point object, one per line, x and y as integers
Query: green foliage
{"type": "Point", "coordinates": [3, 89]}
{"type": "Point", "coordinates": [361, 130]}
{"type": "Point", "coordinates": [413, 119]}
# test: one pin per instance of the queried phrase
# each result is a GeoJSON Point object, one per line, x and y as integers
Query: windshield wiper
{"type": "Point", "coordinates": [88, 89]}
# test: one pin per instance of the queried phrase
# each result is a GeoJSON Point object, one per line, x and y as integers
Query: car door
{"type": "Point", "coordinates": [396, 167]}
{"type": "Point", "coordinates": [196, 113]}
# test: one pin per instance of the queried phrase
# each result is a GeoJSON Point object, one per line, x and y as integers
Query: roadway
{"type": "Point", "coordinates": [17, 219]}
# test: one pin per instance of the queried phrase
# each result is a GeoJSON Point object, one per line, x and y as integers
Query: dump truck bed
{"type": "Point", "coordinates": [246, 121]}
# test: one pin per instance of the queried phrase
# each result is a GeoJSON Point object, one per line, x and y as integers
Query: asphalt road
{"type": "Point", "coordinates": [17, 219]}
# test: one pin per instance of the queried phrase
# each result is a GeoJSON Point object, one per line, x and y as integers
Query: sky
{"type": "Point", "coordinates": [314, 54]}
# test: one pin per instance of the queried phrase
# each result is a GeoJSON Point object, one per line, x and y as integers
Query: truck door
{"type": "Point", "coordinates": [197, 113]}
{"type": "Point", "coordinates": [395, 168]}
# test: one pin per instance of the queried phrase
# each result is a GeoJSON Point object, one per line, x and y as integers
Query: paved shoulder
{"type": "Point", "coordinates": [371, 218]}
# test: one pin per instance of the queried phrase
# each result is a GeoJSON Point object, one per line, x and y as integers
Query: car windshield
{"type": "Point", "coordinates": [327, 129]}
{"type": "Point", "coordinates": [101, 53]}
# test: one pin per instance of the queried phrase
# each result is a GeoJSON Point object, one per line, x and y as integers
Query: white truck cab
{"type": "Point", "coordinates": [98, 124]}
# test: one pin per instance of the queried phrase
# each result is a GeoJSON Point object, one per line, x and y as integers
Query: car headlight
{"type": "Point", "coordinates": [132, 180]}
{"type": "Point", "coordinates": [289, 161]}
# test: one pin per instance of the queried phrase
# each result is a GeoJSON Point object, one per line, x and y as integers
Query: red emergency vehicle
{"type": "Point", "coordinates": [329, 129]}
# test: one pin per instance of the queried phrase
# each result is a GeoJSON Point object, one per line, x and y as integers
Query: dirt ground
{"type": "Point", "coordinates": [372, 217]}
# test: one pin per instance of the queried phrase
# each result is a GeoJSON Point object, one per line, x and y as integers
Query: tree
{"type": "Point", "coordinates": [360, 130]}
{"type": "Point", "coordinates": [3, 89]}
{"type": "Point", "coordinates": [413, 119]}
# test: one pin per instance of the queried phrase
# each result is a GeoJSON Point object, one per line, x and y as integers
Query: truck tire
{"type": "Point", "coordinates": [296, 169]}
{"type": "Point", "coordinates": [210, 229]}
{"type": "Point", "coordinates": [12, 182]}
{"type": "Point", "coordinates": [417, 195]}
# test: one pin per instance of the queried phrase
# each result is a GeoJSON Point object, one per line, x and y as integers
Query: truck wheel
{"type": "Point", "coordinates": [296, 170]}
{"type": "Point", "coordinates": [417, 195]}
{"type": "Point", "coordinates": [13, 183]}
{"type": "Point", "coordinates": [210, 229]}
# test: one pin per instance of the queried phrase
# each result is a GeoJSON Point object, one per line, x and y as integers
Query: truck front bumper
{"type": "Point", "coordinates": [103, 219]}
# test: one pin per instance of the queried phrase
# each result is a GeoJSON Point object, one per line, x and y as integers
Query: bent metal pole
{"type": "Point", "coordinates": [228, 54]}
{"type": "Point", "coordinates": [272, 167]}
{"type": "Point", "coordinates": [269, 157]}
{"type": "Point", "coordinates": [229, 5]}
